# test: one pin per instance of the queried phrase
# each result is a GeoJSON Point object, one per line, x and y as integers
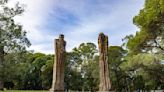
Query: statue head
{"type": "Point", "coordinates": [61, 36]}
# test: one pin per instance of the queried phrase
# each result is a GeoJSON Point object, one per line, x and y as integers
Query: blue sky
{"type": "Point", "coordinates": [79, 20]}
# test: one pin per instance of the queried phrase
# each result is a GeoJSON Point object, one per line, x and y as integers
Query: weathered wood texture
{"type": "Point", "coordinates": [58, 70]}
{"type": "Point", "coordinates": [105, 84]}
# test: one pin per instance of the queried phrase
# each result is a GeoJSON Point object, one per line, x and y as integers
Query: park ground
{"type": "Point", "coordinates": [24, 91]}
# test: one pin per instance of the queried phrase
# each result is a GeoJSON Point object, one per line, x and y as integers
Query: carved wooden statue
{"type": "Point", "coordinates": [105, 84]}
{"type": "Point", "coordinates": [58, 70]}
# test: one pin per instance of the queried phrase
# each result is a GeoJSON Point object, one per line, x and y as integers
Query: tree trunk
{"type": "Point", "coordinates": [1, 67]}
{"type": "Point", "coordinates": [58, 70]}
{"type": "Point", "coordinates": [105, 84]}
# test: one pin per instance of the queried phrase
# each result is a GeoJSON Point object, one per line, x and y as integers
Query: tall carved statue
{"type": "Point", "coordinates": [58, 70]}
{"type": "Point", "coordinates": [105, 84]}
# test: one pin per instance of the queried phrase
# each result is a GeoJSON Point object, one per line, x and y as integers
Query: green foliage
{"type": "Point", "coordinates": [145, 67]}
{"type": "Point", "coordinates": [28, 70]}
{"type": "Point", "coordinates": [86, 51]}
{"type": "Point", "coordinates": [145, 49]}
{"type": "Point", "coordinates": [12, 36]}
{"type": "Point", "coordinates": [150, 21]}
{"type": "Point", "coordinates": [47, 72]}
{"type": "Point", "coordinates": [81, 68]}
{"type": "Point", "coordinates": [115, 59]}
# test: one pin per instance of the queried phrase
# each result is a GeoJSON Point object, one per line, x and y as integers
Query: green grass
{"type": "Point", "coordinates": [24, 91]}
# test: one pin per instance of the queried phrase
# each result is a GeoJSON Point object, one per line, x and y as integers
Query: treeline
{"type": "Point", "coordinates": [30, 71]}
{"type": "Point", "coordinates": [136, 65]}
{"type": "Point", "coordinates": [143, 71]}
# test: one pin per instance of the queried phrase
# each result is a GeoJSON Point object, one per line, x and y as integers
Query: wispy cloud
{"type": "Point", "coordinates": [79, 20]}
{"type": "Point", "coordinates": [36, 12]}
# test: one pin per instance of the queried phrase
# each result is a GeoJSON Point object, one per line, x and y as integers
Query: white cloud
{"type": "Point", "coordinates": [36, 11]}
{"type": "Point", "coordinates": [115, 20]}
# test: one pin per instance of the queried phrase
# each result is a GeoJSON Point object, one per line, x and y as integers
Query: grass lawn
{"type": "Point", "coordinates": [24, 91]}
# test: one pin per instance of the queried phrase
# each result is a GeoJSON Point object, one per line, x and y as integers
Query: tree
{"type": "Point", "coordinates": [91, 76]}
{"type": "Point", "coordinates": [81, 67]}
{"type": "Point", "coordinates": [146, 48]}
{"type": "Point", "coordinates": [28, 71]}
{"type": "Point", "coordinates": [145, 70]}
{"type": "Point", "coordinates": [15, 70]}
{"type": "Point", "coordinates": [47, 72]}
{"type": "Point", "coordinates": [41, 66]}
{"type": "Point", "coordinates": [87, 53]}
{"type": "Point", "coordinates": [151, 34]}
{"type": "Point", "coordinates": [117, 75]}
{"type": "Point", "coordinates": [72, 75]}
{"type": "Point", "coordinates": [12, 35]}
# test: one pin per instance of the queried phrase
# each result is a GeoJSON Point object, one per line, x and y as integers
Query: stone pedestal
{"type": "Point", "coordinates": [105, 84]}
{"type": "Point", "coordinates": [58, 70]}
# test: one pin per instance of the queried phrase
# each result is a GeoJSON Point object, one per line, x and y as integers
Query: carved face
{"type": "Point", "coordinates": [103, 43]}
